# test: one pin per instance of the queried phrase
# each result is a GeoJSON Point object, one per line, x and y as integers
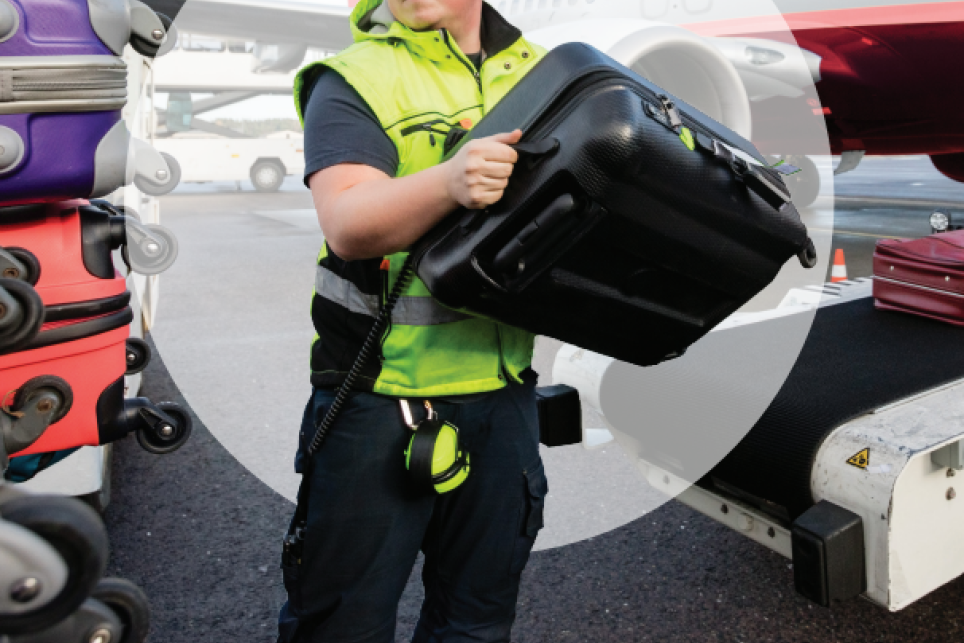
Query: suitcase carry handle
{"type": "Point", "coordinates": [532, 151]}
{"type": "Point", "coordinates": [776, 195]}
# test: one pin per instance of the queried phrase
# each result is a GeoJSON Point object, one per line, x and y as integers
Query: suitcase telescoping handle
{"type": "Point", "coordinates": [546, 226]}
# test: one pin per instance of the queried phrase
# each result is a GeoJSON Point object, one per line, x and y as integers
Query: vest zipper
{"type": "Point", "coordinates": [384, 274]}
{"type": "Point", "coordinates": [503, 375]}
{"type": "Point", "coordinates": [468, 65]}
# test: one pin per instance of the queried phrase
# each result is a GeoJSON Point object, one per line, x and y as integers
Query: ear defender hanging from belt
{"type": "Point", "coordinates": [434, 457]}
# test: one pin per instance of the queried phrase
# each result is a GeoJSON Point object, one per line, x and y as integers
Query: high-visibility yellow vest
{"type": "Point", "coordinates": [419, 85]}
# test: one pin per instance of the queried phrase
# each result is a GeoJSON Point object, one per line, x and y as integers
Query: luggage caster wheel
{"type": "Point", "coordinates": [76, 532]}
{"type": "Point", "coordinates": [30, 261]}
{"type": "Point", "coordinates": [808, 256]}
{"type": "Point", "coordinates": [150, 258]}
{"type": "Point", "coordinates": [165, 438]}
{"type": "Point", "coordinates": [31, 311]}
{"type": "Point", "coordinates": [160, 188]}
{"type": "Point", "coordinates": [129, 602]}
{"type": "Point", "coordinates": [150, 49]}
{"type": "Point", "coordinates": [35, 386]}
{"type": "Point", "coordinates": [138, 355]}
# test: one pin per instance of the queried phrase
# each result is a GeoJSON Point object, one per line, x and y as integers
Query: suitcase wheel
{"type": "Point", "coordinates": [151, 47]}
{"type": "Point", "coordinates": [155, 186]}
{"type": "Point", "coordinates": [37, 404]}
{"type": "Point", "coordinates": [21, 313]}
{"type": "Point", "coordinates": [138, 355]}
{"type": "Point", "coordinates": [164, 432]}
{"type": "Point", "coordinates": [129, 603]}
{"type": "Point", "coordinates": [77, 534]}
{"type": "Point", "coordinates": [37, 386]}
{"type": "Point", "coordinates": [29, 269]}
{"type": "Point", "coordinates": [151, 253]}
{"type": "Point", "coordinates": [808, 256]}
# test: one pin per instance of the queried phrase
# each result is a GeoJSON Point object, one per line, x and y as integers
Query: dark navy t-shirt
{"type": "Point", "coordinates": [340, 127]}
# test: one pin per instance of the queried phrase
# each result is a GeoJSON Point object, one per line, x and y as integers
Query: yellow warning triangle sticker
{"type": "Point", "coordinates": [860, 459]}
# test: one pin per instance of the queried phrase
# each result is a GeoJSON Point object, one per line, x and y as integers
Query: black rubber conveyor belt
{"type": "Point", "coordinates": [855, 359]}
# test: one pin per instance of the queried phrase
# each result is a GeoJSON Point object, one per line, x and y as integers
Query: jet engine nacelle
{"type": "Point", "coordinates": [278, 58]}
{"type": "Point", "coordinates": [950, 165]}
{"type": "Point", "coordinates": [677, 60]}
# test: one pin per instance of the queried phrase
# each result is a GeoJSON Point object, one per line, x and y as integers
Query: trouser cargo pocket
{"type": "Point", "coordinates": [535, 489]}
{"type": "Point", "coordinates": [292, 564]}
{"type": "Point", "coordinates": [290, 574]}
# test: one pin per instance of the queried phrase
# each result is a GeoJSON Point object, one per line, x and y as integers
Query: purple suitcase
{"type": "Point", "coordinates": [62, 87]}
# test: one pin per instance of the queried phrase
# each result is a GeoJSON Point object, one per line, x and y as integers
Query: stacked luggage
{"type": "Point", "coordinates": [64, 307]}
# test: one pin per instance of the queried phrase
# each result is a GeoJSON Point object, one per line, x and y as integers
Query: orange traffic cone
{"type": "Point", "coordinates": [839, 270]}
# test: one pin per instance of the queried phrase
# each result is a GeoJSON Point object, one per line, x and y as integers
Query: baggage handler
{"type": "Point", "coordinates": [376, 117]}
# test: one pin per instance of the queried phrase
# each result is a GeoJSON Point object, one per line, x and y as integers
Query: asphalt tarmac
{"type": "Point", "coordinates": [200, 533]}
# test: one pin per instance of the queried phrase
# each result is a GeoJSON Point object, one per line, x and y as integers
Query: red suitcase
{"type": "Point", "coordinates": [922, 276]}
{"type": "Point", "coordinates": [91, 363]}
{"type": "Point", "coordinates": [67, 259]}
{"type": "Point", "coordinates": [90, 355]}
{"type": "Point", "coordinates": [64, 250]}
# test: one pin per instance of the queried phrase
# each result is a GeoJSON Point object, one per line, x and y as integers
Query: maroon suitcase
{"type": "Point", "coordinates": [922, 276]}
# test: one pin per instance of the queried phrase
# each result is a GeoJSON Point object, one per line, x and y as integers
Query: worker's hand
{"type": "Point", "coordinates": [480, 170]}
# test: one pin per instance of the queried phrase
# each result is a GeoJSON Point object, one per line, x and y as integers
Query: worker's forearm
{"type": "Point", "coordinates": [384, 215]}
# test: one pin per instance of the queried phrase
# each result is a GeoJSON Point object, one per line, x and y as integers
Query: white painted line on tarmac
{"type": "Point", "coordinates": [850, 233]}
{"type": "Point", "coordinates": [898, 202]}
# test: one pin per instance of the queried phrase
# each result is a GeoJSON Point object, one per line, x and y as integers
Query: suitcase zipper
{"type": "Point", "coordinates": [502, 374]}
{"type": "Point", "coordinates": [602, 79]}
{"type": "Point", "coordinates": [31, 84]}
{"type": "Point", "coordinates": [919, 287]}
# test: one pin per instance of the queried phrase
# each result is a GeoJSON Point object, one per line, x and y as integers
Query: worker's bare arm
{"type": "Point", "coordinates": [365, 213]}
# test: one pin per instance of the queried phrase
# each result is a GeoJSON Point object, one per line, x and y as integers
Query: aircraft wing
{"type": "Point", "coordinates": [309, 22]}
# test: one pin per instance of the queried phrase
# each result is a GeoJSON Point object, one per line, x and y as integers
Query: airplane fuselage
{"type": "Point", "coordinates": [891, 81]}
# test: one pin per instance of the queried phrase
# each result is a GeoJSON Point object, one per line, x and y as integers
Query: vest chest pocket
{"type": "Point", "coordinates": [436, 130]}
{"type": "Point", "coordinates": [427, 143]}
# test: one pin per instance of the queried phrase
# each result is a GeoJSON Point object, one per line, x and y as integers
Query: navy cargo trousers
{"type": "Point", "coordinates": [367, 522]}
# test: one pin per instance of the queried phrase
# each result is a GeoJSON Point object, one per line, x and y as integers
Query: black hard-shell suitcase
{"type": "Point", "coordinates": [631, 226]}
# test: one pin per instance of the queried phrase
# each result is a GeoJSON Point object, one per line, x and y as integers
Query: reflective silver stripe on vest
{"type": "Point", "coordinates": [409, 311]}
